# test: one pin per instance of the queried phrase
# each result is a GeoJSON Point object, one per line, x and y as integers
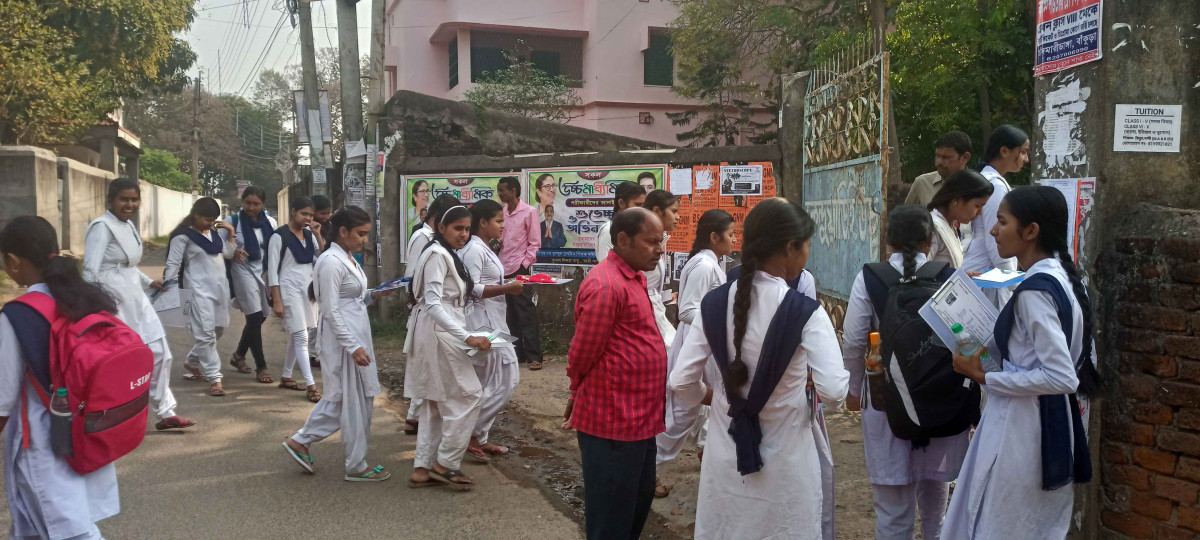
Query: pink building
{"type": "Point", "coordinates": [618, 49]}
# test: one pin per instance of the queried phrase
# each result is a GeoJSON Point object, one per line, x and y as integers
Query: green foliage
{"type": "Point", "coordinates": [65, 64]}
{"type": "Point", "coordinates": [162, 168]}
{"type": "Point", "coordinates": [523, 89]}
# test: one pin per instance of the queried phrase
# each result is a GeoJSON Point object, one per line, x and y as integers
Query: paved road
{"type": "Point", "coordinates": [229, 475]}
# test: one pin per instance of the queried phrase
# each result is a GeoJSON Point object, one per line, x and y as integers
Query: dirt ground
{"type": "Point", "coordinates": [549, 456]}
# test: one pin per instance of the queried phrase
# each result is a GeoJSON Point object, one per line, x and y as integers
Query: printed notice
{"type": "Point", "coordinates": [960, 301]}
{"type": "Point", "coordinates": [741, 180]}
{"type": "Point", "coordinates": [1068, 34]}
{"type": "Point", "coordinates": [1147, 128]}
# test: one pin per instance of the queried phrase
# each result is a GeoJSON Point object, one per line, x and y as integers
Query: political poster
{"type": "Point", "coordinates": [419, 191]}
{"type": "Point", "coordinates": [1068, 34]}
{"type": "Point", "coordinates": [574, 202]}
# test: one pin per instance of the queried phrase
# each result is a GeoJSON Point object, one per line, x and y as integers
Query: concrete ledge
{"type": "Point", "coordinates": [477, 163]}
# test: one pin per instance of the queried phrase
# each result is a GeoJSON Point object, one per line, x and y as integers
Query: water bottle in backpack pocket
{"type": "Point", "coordinates": [60, 423]}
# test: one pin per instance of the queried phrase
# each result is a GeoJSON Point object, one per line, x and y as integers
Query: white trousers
{"type": "Point", "coordinates": [203, 355]}
{"type": "Point", "coordinates": [499, 381]}
{"type": "Point", "coordinates": [414, 409]}
{"type": "Point", "coordinates": [445, 432]}
{"type": "Point", "coordinates": [672, 441]}
{"type": "Point", "coordinates": [162, 401]}
{"type": "Point", "coordinates": [896, 506]}
{"type": "Point", "coordinates": [297, 353]}
{"type": "Point", "coordinates": [352, 415]}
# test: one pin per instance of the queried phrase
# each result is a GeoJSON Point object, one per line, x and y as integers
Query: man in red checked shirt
{"type": "Point", "coordinates": [618, 369]}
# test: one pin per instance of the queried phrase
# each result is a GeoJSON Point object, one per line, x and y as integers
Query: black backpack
{"type": "Point", "coordinates": [925, 397]}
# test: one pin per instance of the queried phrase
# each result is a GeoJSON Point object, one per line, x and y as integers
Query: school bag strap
{"type": "Point", "coordinates": [32, 313]}
{"type": "Point", "coordinates": [1065, 456]}
{"type": "Point", "coordinates": [736, 272]}
{"type": "Point", "coordinates": [880, 277]}
{"type": "Point", "coordinates": [779, 346]}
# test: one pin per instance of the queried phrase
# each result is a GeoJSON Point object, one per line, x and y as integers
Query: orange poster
{"type": "Point", "coordinates": [685, 227]}
{"type": "Point", "coordinates": [705, 192]}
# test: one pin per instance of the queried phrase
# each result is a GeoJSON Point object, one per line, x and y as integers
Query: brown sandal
{"type": "Point", "coordinates": [216, 391]}
{"type": "Point", "coordinates": [264, 377]}
{"type": "Point", "coordinates": [239, 362]}
{"type": "Point", "coordinates": [314, 395]}
{"type": "Point", "coordinates": [662, 490]}
{"type": "Point", "coordinates": [290, 384]}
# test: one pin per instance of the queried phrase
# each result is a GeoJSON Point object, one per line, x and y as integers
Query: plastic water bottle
{"type": "Point", "coordinates": [60, 423]}
{"type": "Point", "coordinates": [967, 344]}
{"type": "Point", "coordinates": [876, 379]}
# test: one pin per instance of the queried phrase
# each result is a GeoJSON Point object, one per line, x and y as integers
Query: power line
{"type": "Point", "coordinates": [240, 46]}
{"type": "Point", "coordinates": [221, 6]}
{"type": "Point", "coordinates": [262, 57]}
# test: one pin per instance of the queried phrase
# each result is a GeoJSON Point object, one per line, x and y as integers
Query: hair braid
{"type": "Point", "coordinates": [1089, 378]}
{"type": "Point", "coordinates": [739, 373]}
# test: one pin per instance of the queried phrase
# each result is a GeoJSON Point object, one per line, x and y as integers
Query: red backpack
{"type": "Point", "coordinates": [105, 368]}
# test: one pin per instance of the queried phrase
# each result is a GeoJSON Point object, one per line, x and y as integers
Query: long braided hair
{"type": "Point", "coordinates": [771, 226]}
{"type": "Point", "coordinates": [909, 226]}
{"type": "Point", "coordinates": [1047, 207]}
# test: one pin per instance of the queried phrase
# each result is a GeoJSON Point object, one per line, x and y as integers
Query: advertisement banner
{"type": "Point", "coordinates": [419, 191]}
{"type": "Point", "coordinates": [1068, 34]}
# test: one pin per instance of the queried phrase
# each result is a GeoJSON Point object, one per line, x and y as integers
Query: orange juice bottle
{"type": "Point", "coordinates": [876, 378]}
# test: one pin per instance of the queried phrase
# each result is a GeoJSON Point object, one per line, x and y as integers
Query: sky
{"type": "Point", "coordinates": [231, 54]}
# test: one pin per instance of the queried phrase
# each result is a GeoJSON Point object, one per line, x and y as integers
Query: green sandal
{"type": "Point", "coordinates": [303, 460]}
{"type": "Point", "coordinates": [366, 477]}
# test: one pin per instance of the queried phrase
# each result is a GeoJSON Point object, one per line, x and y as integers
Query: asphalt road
{"type": "Point", "coordinates": [229, 476]}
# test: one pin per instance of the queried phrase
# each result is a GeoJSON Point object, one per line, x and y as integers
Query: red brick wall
{"type": "Point", "coordinates": [1150, 435]}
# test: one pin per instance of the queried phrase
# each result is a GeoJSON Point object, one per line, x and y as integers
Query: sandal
{"type": "Point", "coordinates": [410, 427]}
{"type": "Point", "coordinates": [303, 460]}
{"type": "Point", "coordinates": [290, 384]}
{"type": "Point", "coordinates": [194, 375]}
{"type": "Point", "coordinates": [448, 478]}
{"type": "Point", "coordinates": [495, 449]}
{"type": "Point", "coordinates": [662, 490]}
{"type": "Point", "coordinates": [315, 363]}
{"type": "Point", "coordinates": [216, 391]}
{"type": "Point", "coordinates": [174, 422]}
{"type": "Point", "coordinates": [239, 362]}
{"type": "Point", "coordinates": [476, 454]}
{"type": "Point", "coordinates": [378, 474]}
{"type": "Point", "coordinates": [534, 366]}
{"type": "Point", "coordinates": [265, 377]}
{"type": "Point", "coordinates": [313, 394]}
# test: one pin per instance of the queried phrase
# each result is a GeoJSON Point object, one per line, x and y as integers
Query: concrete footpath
{"type": "Point", "coordinates": [229, 476]}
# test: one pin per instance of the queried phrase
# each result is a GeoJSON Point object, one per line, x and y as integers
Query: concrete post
{"type": "Point", "coordinates": [110, 157]}
{"type": "Point", "coordinates": [791, 136]}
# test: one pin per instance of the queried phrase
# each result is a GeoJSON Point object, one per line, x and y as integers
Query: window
{"type": "Point", "coordinates": [546, 61]}
{"type": "Point", "coordinates": [453, 51]}
{"type": "Point", "coordinates": [658, 64]}
{"type": "Point", "coordinates": [486, 60]}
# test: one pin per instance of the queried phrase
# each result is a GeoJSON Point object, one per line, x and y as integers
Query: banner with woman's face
{"type": "Point", "coordinates": [419, 191]}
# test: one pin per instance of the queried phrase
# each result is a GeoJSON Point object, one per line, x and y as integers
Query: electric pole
{"type": "Point", "coordinates": [196, 137]}
{"type": "Point", "coordinates": [375, 100]}
{"type": "Point", "coordinates": [312, 101]}
{"type": "Point", "coordinates": [353, 169]}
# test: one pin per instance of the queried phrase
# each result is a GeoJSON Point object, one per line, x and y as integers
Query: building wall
{"type": "Point", "coordinates": [162, 209]}
{"type": "Point", "coordinates": [83, 200]}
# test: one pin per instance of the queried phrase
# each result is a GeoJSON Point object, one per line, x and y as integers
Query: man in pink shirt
{"type": "Point", "coordinates": [519, 246]}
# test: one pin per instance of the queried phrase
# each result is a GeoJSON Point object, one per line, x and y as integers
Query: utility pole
{"type": "Point", "coordinates": [196, 137]}
{"type": "Point", "coordinates": [312, 100]}
{"type": "Point", "coordinates": [375, 101]}
{"type": "Point", "coordinates": [354, 169]}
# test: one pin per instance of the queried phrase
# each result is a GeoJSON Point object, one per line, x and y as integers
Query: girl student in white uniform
{"type": "Point", "coordinates": [1007, 152]}
{"type": "Point", "coordinates": [960, 200]}
{"type": "Point", "coordinates": [666, 206]}
{"type": "Point", "coordinates": [1031, 442]}
{"type": "Point", "coordinates": [46, 497]}
{"type": "Point", "coordinates": [486, 309]}
{"type": "Point", "coordinates": [440, 372]}
{"type": "Point", "coordinates": [761, 464]}
{"type": "Point", "coordinates": [700, 274]}
{"type": "Point", "coordinates": [112, 251]}
{"type": "Point", "coordinates": [344, 336]}
{"type": "Point", "coordinates": [625, 195]}
{"type": "Point", "coordinates": [293, 249]}
{"type": "Point", "coordinates": [196, 259]}
{"type": "Point", "coordinates": [903, 479]}
{"type": "Point", "coordinates": [254, 229]}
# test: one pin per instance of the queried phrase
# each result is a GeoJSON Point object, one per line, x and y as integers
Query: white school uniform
{"type": "Point", "coordinates": [604, 240]}
{"type": "Point", "coordinates": [46, 497]}
{"type": "Point", "coordinates": [497, 368]}
{"type": "Point", "coordinates": [439, 372]}
{"type": "Point", "coordinates": [416, 244]}
{"type": "Point", "coordinates": [806, 284]}
{"type": "Point", "coordinates": [112, 251]}
{"type": "Point", "coordinates": [701, 274]}
{"type": "Point", "coordinates": [299, 312]}
{"type": "Point", "coordinates": [343, 328]}
{"type": "Point", "coordinates": [893, 466]}
{"type": "Point", "coordinates": [247, 276]}
{"type": "Point", "coordinates": [204, 276]}
{"type": "Point", "coordinates": [981, 254]}
{"type": "Point", "coordinates": [999, 492]}
{"type": "Point", "coordinates": [778, 501]}
{"type": "Point", "coordinates": [655, 279]}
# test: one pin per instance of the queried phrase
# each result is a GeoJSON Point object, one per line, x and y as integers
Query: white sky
{"type": "Point", "coordinates": [219, 31]}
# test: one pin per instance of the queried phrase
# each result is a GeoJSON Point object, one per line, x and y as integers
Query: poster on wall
{"type": "Point", "coordinates": [418, 191]}
{"type": "Point", "coordinates": [573, 202]}
{"type": "Point", "coordinates": [708, 193]}
{"type": "Point", "coordinates": [1068, 34]}
{"type": "Point", "coordinates": [1079, 193]}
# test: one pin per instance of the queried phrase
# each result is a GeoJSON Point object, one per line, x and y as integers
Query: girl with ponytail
{"type": "Point", "coordinates": [1007, 152]}
{"type": "Point", "coordinates": [196, 261]}
{"type": "Point", "coordinates": [903, 479]}
{"type": "Point", "coordinates": [762, 439]}
{"type": "Point", "coordinates": [1031, 443]}
{"type": "Point", "coordinates": [46, 497]}
{"type": "Point", "coordinates": [439, 371]}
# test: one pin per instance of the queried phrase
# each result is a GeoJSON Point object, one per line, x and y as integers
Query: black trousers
{"type": "Point", "coordinates": [252, 339]}
{"type": "Point", "coordinates": [618, 486]}
{"type": "Point", "coordinates": [523, 322]}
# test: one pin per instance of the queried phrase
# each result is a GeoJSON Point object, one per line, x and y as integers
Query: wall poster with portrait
{"type": "Point", "coordinates": [573, 202]}
{"type": "Point", "coordinates": [419, 191]}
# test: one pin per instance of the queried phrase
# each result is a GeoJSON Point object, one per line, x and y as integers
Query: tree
{"type": "Point", "coordinates": [161, 168]}
{"type": "Point", "coordinates": [64, 65]}
{"type": "Point", "coordinates": [523, 89]}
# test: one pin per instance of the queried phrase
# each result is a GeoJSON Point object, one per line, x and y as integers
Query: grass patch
{"type": "Point", "coordinates": [160, 241]}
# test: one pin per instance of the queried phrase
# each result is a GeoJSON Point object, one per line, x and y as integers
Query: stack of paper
{"type": "Point", "coordinates": [997, 278]}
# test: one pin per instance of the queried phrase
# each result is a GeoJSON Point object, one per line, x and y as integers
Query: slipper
{"type": "Point", "coordinates": [239, 362]}
{"type": "Point", "coordinates": [477, 455]}
{"type": "Point", "coordinates": [496, 450]}
{"type": "Point", "coordinates": [216, 391]}
{"type": "Point", "coordinates": [194, 378]}
{"type": "Point", "coordinates": [410, 427]}
{"type": "Point", "coordinates": [174, 422]}
{"type": "Point", "coordinates": [264, 377]}
{"type": "Point", "coordinates": [447, 480]}
{"type": "Point", "coordinates": [428, 483]}
{"type": "Point", "coordinates": [303, 460]}
{"type": "Point", "coordinates": [366, 476]}
{"type": "Point", "coordinates": [535, 366]}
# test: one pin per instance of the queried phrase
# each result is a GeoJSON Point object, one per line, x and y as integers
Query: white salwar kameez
{"type": "Point", "coordinates": [946, 246]}
{"type": "Point", "coordinates": [902, 479]}
{"type": "Point", "coordinates": [112, 251]}
{"type": "Point", "coordinates": [778, 501]}
{"type": "Point", "coordinates": [439, 372]}
{"type": "Point", "coordinates": [604, 240]}
{"type": "Point", "coordinates": [248, 282]}
{"type": "Point", "coordinates": [46, 497]}
{"type": "Point", "coordinates": [981, 254]}
{"type": "Point", "coordinates": [204, 276]}
{"type": "Point", "coordinates": [497, 368]}
{"type": "Point", "coordinates": [701, 274]}
{"type": "Point", "coordinates": [655, 280]}
{"type": "Point", "coordinates": [806, 284]}
{"type": "Point", "coordinates": [343, 328]}
{"type": "Point", "coordinates": [299, 313]}
{"type": "Point", "coordinates": [999, 492]}
{"type": "Point", "coordinates": [416, 244]}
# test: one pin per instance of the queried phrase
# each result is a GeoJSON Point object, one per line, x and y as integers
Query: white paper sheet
{"type": "Point", "coordinates": [680, 182]}
{"type": "Point", "coordinates": [997, 278]}
{"type": "Point", "coordinates": [704, 179]}
{"type": "Point", "coordinates": [176, 317]}
{"type": "Point", "coordinates": [960, 301]}
{"type": "Point", "coordinates": [1070, 190]}
{"type": "Point", "coordinates": [165, 299]}
{"type": "Point", "coordinates": [498, 339]}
